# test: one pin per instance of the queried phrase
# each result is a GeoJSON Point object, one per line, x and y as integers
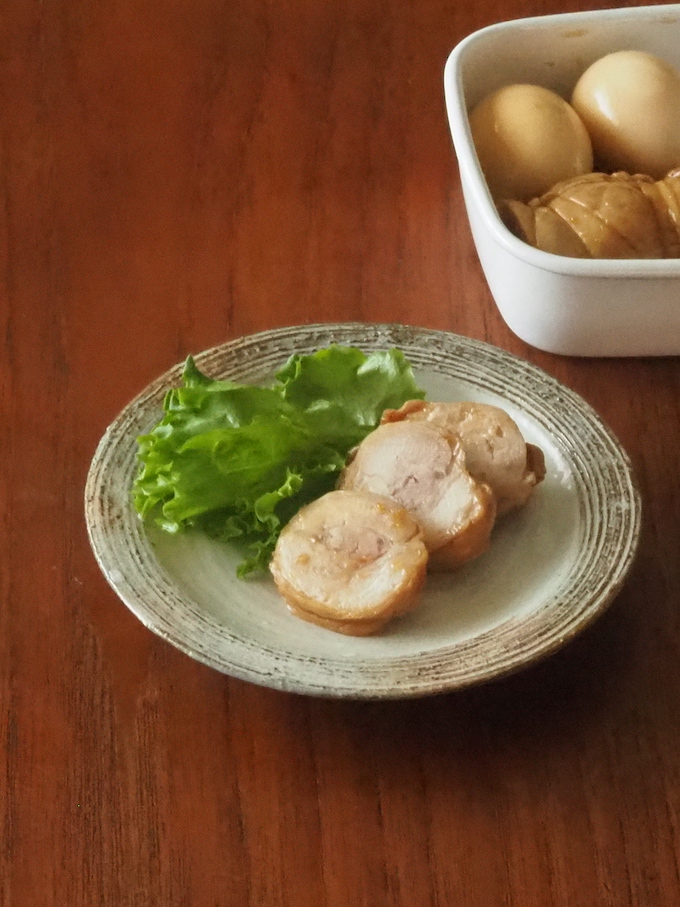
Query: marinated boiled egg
{"type": "Point", "coordinates": [630, 104]}
{"type": "Point", "coordinates": [527, 139]}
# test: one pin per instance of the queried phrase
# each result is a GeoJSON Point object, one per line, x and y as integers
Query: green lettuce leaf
{"type": "Point", "coordinates": [237, 461]}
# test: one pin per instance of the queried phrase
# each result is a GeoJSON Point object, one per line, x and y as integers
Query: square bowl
{"type": "Point", "coordinates": [572, 306]}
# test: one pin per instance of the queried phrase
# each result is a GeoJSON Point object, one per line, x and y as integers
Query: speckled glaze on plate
{"type": "Point", "coordinates": [552, 568]}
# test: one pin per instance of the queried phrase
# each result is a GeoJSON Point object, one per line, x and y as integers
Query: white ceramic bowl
{"type": "Point", "coordinates": [564, 305]}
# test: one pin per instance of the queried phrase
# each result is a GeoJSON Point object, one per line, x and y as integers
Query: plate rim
{"type": "Point", "coordinates": [107, 520]}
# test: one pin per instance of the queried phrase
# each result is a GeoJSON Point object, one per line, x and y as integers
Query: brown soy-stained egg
{"type": "Point", "coordinates": [527, 139]}
{"type": "Point", "coordinates": [630, 104]}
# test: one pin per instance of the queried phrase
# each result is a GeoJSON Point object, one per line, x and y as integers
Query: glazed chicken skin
{"type": "Point", "coordinates": [495, 451]}
{"type": "Point", "coordinates": [422, 466]}
{"type": "Point", "coordinates": [350, 561]}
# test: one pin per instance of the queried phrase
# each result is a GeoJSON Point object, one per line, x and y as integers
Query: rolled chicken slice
{"type": "Point", "coordinates": [422, 466]}
{"type": "Point", "coordinates": [495, 451]}
{"type": "Point", "coordinates": [350, 561]}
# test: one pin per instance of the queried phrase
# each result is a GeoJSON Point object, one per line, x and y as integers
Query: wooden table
{"type": "Point", "coordinates": [176, 174]}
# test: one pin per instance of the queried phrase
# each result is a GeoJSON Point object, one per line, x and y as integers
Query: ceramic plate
{"type": "Point", "coordinates": [552, 567]}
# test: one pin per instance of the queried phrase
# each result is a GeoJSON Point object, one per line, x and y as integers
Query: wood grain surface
{"type": "Point", "coordinates": [175, 174]}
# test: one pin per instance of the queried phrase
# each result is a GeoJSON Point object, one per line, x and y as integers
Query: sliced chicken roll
{"type": "Point", "coordinates": [422, 466]}
{"type": "Point", "coordinates": [350, 561]}
{"type": "Point", "coordinates": [495, 451]}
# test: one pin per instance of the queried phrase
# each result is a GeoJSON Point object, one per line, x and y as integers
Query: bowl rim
{"type": "Point", "coordinates": [472, 177]}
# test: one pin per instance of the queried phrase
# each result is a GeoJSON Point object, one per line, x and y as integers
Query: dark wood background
{"type": "Point", "coordinates": [175, 174]}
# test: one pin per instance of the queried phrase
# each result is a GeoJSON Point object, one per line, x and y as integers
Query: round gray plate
{"type": "Point", "coordinates": [552, 567]}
